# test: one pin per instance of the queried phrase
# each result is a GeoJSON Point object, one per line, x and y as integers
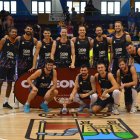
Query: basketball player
{"type": "Point", "coordinates": [118, 49]}
{"type": "Point", "coordinates": [8, 48]}
{"type": "Point", "coordinates": [83, 45]}
{"type": "Point", "coordinates": [128, 77]}
{"type": "Point", "coordinates": [43, 49]}
{"type": "Point", "coordinates": [100, 47]}
{"type": "Point", "coordinates": [108, 92]}
{"type": "Point", "coordinates": [84, 89]}
{"type": "Point", "coordinates": [25, 53]}
{"type": "Point", "coordinates": [41, 85]}
{"type": "Point", "coordinates": [63, 51]}
{"type": "Point", "coordinates": [134, 53]}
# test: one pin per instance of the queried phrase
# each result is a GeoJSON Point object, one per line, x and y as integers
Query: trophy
{"type": "Point", "coordinates": [64, 101]}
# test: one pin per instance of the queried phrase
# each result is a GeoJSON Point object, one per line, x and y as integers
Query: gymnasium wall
{"type": "Point", "coordinates": [24, 6]}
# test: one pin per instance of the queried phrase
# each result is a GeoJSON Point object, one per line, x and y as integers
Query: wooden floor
{"type": "Point", "coordinates": [16, 125]}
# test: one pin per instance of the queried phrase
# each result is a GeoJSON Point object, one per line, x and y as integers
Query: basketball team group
{"type": "Point", "coordinates": [114, 73]}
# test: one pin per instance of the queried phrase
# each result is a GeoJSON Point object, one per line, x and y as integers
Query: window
{"type": "Point", "coordinates": [79, 6]}
{"type": "Point", "coordinates": [110, 7]}
{"type": "Point", "coordinates": [10, 6]}
{"type": "Point", "coordinates": [137, 5]}
{"type": "Point", "coordinates": [13, 7]}
{"type": "Point", "coordinates": [41, 6]}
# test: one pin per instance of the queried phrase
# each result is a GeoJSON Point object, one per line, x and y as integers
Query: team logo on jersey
{"type": "Point", "coordinates": [78, 42]}
{"type": "Point", "coordinates": [59, 46]}
{"type": "Point", "coordinates": [97, 45]}
{"type": "Point", "coordinates": [44, 47]}
{"type": "Point", "coordinates": [114, 41]}
{"type": "Point", "coordinates": [22, 43]}
{"type": "Point", "coordinates": [80, 83]}
{"type": "Point", "coordinates": [42, 77]}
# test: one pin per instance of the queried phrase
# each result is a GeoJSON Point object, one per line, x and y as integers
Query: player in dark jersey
{"type": "Point", "coordinates": [8, 48]}
{"type": "Point", "coordinates": [128, 77]}
{"type": "Point", "coordinates": [134, 53]}
{"type": "Point", "coordinates": [83, 45]}
{"type": "Point", "coordinates": [25, 53]}
{"type": "Point", "coordinates": [41, 85]}
{"type": "Point", "coordinates": [43, 49]}
{"type": "Point", "coordinates": [84, 89]}
{"type": "Point", "coordinates": [118, 49]}
{"type": "Point", "coordinates": [63, 51]}
{"type": "Point", "coordinates": [100, 47]}
{"type": "Point", "coordinates": [107, 90]}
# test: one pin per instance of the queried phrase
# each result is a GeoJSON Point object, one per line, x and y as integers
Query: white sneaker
{"type": "Point", "coordinates": [64, 110]}
{"type": "Point", "coordinates": [115, 110]}
{"type": "Point", "coordinates": [133, 110]}
{"type": "Point", "coordinates": [16, 105]}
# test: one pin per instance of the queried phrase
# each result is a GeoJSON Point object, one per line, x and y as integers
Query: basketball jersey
{"type": "Point", "coordinates": [84, 84]}
{"type": "Point", "coordinates": [44, 80]}
{"type": "Point", "coordinates": [26, 52]}
{"type": "Point", "coordinates": [45, 50]}
{"type": "Point", "coordinates": [44, 53]}
{"type": "Point", "coordinates": [8, 54]}
{"type": "Point", "coordinates": [136, 56]}
{"type": "Point", "coordinates": [100, 49]}
{"type": "Point", "coordinates": [104, 82]}
{"type": "Point", "coordinates": [82, 48]}
{"type": "Point", "coordinates": [63, 52]}
{"type": "Point", "coordinates": [126, 77]}
{"type": "Point", "coordinates": [118, 45]}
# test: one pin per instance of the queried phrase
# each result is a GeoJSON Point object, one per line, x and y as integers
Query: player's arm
{"type": "Point", "coordinates": [35, 75]}
{"type": "Point", "coordinates": [73, 39]}
{"type": "Point", "coordinates": [93, 86]}
{"type": "Point", "coordinates": [35, 41]}
{"type": "Point", "coordinates": [54, 86]}
{"type": "Point", "coordinates": [139, 51]}
{"type": "Point", "coordinates": [113, 82]}
{"type": "Point", "coordinates": [128, 38]}
{"type": "Point", "coordinates": [38, 46]}
{"type": "Point", "coordinates": [72, 55]}
{"type": "Point", "coordinates": [53, 50]}
{"type": "Point", "coordinates": [118, 77]}
{"type": "Point", "coordinates": [90, 42]}
{"type": "Point", "coordinates": [111, 54]}
{"type": "Point", "coordinates": [75, 89]}
{"type": "Point", "coordinates": [2, 41]}
{"type": "Point", "coordinates": [134, 78]}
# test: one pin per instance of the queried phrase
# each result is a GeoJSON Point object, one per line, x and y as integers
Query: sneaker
{"type": "Point", "coordinates": [16, 105]}
{"type": "Point", "coordinates": [110, 106]}
{"type": "Point", "coordinates": [7, 105]}
{"type": "Point", "coordinates": [133, 110]}
{"type": "Point", "coordinates": [81, 108]}
{"type": "Point", "coordinates": [64, 110]}
{"type": "Point", "coordinates": [26, 108]}
{"type": "Point", "coordinates": [115, 110]}
{"type": "Point", "coordinates": [44, 107]}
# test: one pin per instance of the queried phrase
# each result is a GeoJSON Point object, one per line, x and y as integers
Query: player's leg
{"type": "Point", "coordinates": [31, 96]}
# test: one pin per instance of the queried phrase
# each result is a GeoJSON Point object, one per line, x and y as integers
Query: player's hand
{"type": "Point", "coordinates": [31, 70]}
{"type": "Point", "coordinates": [122, 86]}
{"type": "Point", "coordinates": [72, 66]}
{"type": "Point", "coordinates": [35, 89]}
{"type": "Point", "coordinates": [71, 98]}
{"type": "Point", "coordinates": [84, 95]}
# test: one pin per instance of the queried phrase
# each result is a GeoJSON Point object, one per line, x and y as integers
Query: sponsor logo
{"type": "Point", "coordinates": [60, 84]}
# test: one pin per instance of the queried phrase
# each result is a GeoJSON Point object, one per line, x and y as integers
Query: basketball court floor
{"type": "Point", "coordinates": [37, 125]}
